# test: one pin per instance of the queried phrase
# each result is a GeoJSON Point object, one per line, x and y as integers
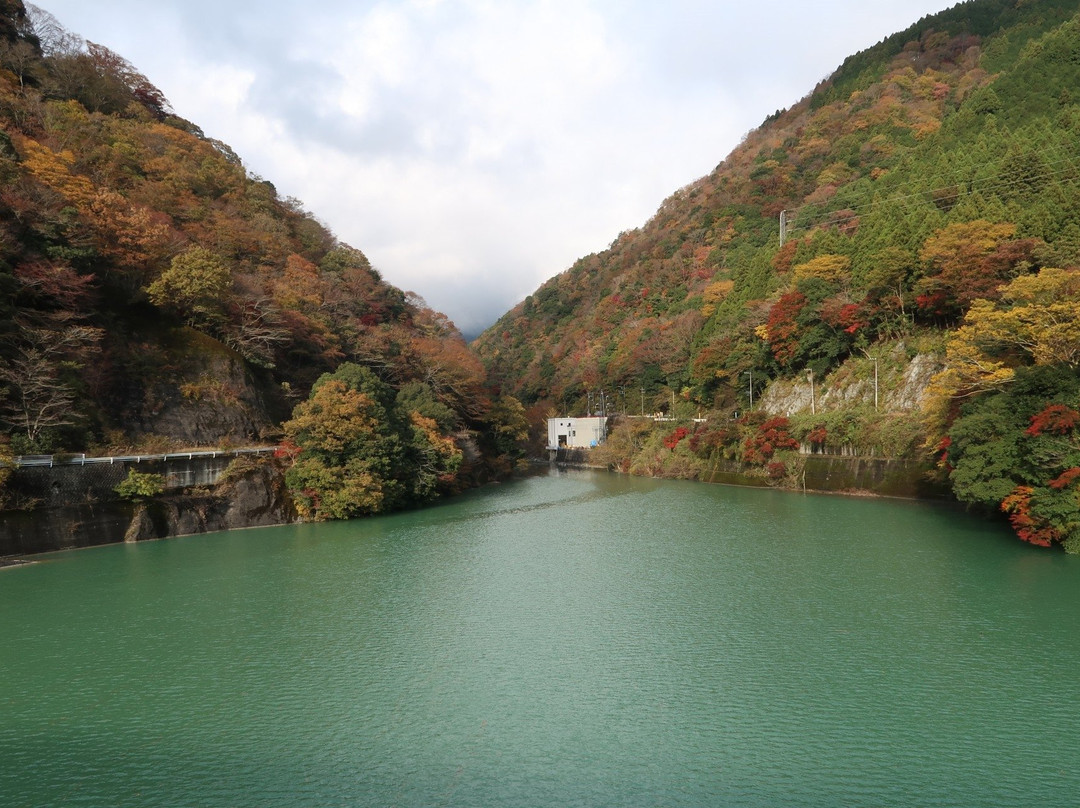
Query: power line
{"type": "Point", "coordinates": [962, 189]}
{"type": "Point", "coordinates": [987, 184]}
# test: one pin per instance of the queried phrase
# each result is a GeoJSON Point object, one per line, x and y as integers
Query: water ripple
{"type": "Point", "coordinates": [573, 640]}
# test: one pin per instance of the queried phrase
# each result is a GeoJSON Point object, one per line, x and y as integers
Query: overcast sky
{"type": "Point", "coordinates": [474, 148]}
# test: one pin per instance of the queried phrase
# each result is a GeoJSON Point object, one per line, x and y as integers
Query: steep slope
{"type": "Point", "coordinates": [915, 206]}
{"type": "Point", "coordinates": [154, 293]}
{"type": "Point", "coordinates": [935, 127]}
{"type": "Point", "coordinates": [146, 273]}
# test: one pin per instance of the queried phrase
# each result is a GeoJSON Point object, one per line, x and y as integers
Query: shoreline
{"type": "Point", "coordinates": [27, 534]}
{"type": "Point", "coordinates": [843, 475]}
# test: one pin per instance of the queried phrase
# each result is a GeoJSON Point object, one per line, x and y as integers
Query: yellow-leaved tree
{"type": "Point", "coordinates": [828, 267]}
{"type": "Point", "coordinates": [194, 286]}
{"type": "Point", "coordinates": [714, 295]}
{"type": "Point", "coordinates": [1036, 321]}
{"type": "Point", "coordinates": [339, 430]}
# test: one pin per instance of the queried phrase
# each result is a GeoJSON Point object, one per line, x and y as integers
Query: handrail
{"type": "Point", "coordinates": [49, 461]}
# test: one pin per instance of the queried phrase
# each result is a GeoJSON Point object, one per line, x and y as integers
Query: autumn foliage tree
{"type": "Point", "coordinates": [1046, 510]}
{"type": "Point", "coordinates": [7, 465]}
{"type": "Point", "coordinates": [782, 330]}
{"type": "Point", "coordinates": [1018, 449]}
{"type": "Point", "coordinates": [39, 379]}
{"type": "Point", "coordinates": [365, 447]}
{"type": "Point", "coordinates": [968, 261]}
{"type": "Point", "coordinates": [509, 427]}
{"type": "Point", "coordinates": [1035, 321]}
{"type": "Point", "coordinates": [340, 438]}
{"type": "Point", "coordinates": [771, 436]}
{"type": "Point", "coordinates": [193, 287]}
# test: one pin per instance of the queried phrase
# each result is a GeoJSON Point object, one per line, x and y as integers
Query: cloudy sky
{"type": "Point", "coordinates": [474, 148]}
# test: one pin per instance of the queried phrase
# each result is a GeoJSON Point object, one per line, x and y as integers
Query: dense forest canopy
{"type": "Point", "coordinates": [906, 207]}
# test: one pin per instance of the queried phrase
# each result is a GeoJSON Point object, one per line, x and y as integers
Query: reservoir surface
{"type": "Point", "coordinates": [571, 639]}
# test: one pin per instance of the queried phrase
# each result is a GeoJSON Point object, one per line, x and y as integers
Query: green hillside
{"type": "Point", "coordinates": [931, 207]}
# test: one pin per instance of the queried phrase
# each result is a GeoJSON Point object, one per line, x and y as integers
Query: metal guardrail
{"type": "Point", "coordinates": [49, 461]}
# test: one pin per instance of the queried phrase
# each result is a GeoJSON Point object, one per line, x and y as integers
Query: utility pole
{"type": "Point", "coordinates": [874, 359]}
{"type": "Point", "coordinates": [875, 383]}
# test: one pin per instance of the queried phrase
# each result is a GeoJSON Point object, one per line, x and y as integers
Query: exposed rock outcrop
{"type": "Point", "coordinates": [252, 494]}
{"type": "Point", "coordinates": [255, 496]}
{"type": "Point", "coordinates": [916, 379]}
{"type": "Point", "coordinates": [901, 383]}
{"type": "Point", "coordinates": [209, 396]}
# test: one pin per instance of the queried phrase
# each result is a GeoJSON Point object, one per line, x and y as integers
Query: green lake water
{"type": "Point", "coordinates": [573, 639]}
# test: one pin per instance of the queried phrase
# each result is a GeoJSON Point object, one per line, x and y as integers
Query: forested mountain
{"type": "Point", "coordinates": [154, 293]}
{"type": "Point", "coordinates": [927, 199]}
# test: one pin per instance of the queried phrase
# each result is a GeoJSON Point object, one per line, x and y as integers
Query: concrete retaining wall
{"type": "Point", "coordinates": [72, 484]}
{"type": "Point", "coordinates": [70, 505]}
{"type": "Point", "coordinates": [831, 473]}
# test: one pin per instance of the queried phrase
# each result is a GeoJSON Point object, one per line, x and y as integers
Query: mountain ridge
{"type": "Point", "coordinates": [928, 187]}
{"type": "Point", "coordinates": [154, 294]}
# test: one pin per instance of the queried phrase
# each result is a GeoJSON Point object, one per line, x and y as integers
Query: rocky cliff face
{"type": "Point", "coordinates": [206, 396]}
{"type": "Point", "coordinates": [252, 494]}
{"type": "Point", "coordinates": [916, 378]}
{"type": "Point", "coordinates": [255, 496]}
{"type": "Point", "coordinates": [901, 385]}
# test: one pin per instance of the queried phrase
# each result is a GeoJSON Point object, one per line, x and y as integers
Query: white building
{"type": "Point", "coordinates": [576, 433]}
